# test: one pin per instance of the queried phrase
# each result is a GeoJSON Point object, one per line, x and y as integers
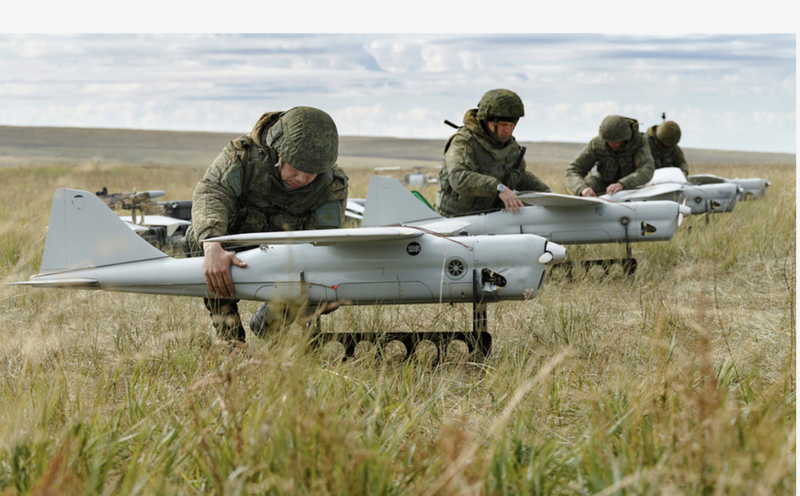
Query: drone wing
{"type": "Point", "coordinates": [644, 193]}
{"type": "Point", "coordinates": [555, 200]}
{"type": "Point", "coordinates": [354, 210]}
{"type": "Point", "coordinates": [706, 179]}
{"type": "Point", "coordinates": [325, 236]}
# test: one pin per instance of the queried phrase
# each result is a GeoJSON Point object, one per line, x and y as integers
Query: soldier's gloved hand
{"type": "Point", "coordinates": [588, 192]}
{"type": "Point", "coordinates": [614, 188]}
{"type": "Point", "coordinates": [216, 268]}
{"type": "Point", "coordinates": [510, 201]}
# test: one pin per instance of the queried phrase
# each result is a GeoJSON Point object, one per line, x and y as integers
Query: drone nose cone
{"type": "Point", "coordinates": [553, 254]}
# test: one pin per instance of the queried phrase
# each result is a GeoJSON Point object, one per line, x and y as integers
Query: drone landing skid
{"type": "Point", "coordinates": [478, 345]}
{"type": "Point", "coordinates": [478, 341]}
{"type": "Point", "coordinates": [628, 263]}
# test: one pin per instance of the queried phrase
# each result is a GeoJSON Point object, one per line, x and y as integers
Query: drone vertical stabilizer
{"type": "Point", "coordinates": [84, 232]}
{"type": "Point", "coordinates": [389, 203]}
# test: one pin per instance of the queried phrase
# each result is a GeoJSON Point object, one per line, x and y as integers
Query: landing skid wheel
{"type": "Point", "coordinates": [478, 341]}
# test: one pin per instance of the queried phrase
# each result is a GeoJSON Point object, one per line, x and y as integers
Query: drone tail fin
{"type": "Point", "coordinates": [83, 232]}
{"type": "Point", "coordinates": [390, 203]}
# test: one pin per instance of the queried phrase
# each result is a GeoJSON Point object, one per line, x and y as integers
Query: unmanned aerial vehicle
{"type": "Point", "coordinates": [89, 247]}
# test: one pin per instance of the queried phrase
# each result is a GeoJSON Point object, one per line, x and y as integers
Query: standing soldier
{"type": "Point", "coordinates": [483, 163]}
{"type": "Point", "coordinates": [281, 177]}
{"type": "Point", "coordinates": [663, 140]}
{"type": "Point", "coordinates": [621, 155]}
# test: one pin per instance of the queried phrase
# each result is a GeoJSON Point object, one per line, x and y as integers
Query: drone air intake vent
{"type": "Point", "coordinates": [456, 267]}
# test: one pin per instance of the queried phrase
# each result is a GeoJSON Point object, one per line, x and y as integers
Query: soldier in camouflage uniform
{"type": "Point", "coordinates": [482, 165]}
{"type": "Point", "coordinates": [663, 140]}
{"type": "Point", "coordinates": [281, 177]}
{"type": "Point", "coordinates": [622, 157]}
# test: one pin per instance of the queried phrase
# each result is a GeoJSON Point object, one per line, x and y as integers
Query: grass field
{"type": "Point", "coordinates": [678, 380]}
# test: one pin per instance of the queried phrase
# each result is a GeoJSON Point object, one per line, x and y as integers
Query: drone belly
{"type": "Point", "coordinates": [695, 198]}
{"type": "Point", "coordinates": [508, 267]}
{"type": "Point", "coordinates": [720, 197]}
{"type": "Point", "coordinates": [168, 276]}
{"type": "Point", "coordinates": [654, 221]}
{"type": "Point", "coordinates": [425, 269]}
{"type": "Point", "coordinates": [600, 224]}
{"type": "Point", "coordinates": [391, 271]}
{"type": "Point", "coordinates": [399, 272]}
{"type": "Point", "coordinates": [753, 188]}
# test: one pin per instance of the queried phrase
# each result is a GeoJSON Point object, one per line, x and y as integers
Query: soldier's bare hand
{"type": "Point", "coordinates": [614, 188]}
{"type": "Point", "coordinates": [216, 269]}
{"type": "Point", "coordinates": [509, 199]}
{"type": "Point", "coordinates": [588, 192]}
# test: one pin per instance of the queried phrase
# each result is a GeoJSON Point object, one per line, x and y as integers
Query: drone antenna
{"type": "Point", "coordinates": [450, 124]}
{"type": "Point", "coordinates": [663, 116]}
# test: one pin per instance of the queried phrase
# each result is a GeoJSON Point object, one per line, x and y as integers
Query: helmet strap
{"type": "Point", "coordinates": [492, 133]}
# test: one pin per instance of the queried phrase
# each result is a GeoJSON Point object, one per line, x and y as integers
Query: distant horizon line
{"type": "Point", "coordinates": [239, 133]}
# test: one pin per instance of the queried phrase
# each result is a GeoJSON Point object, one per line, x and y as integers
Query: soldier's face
{"type": "Point", "coordinates": [503, 130]}
{"type": "Point", "coordinates": [615, 145]}
{"type": "Point", "coordinates": [293, 178]}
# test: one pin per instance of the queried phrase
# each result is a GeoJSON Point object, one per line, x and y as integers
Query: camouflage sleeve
{"type": "Point", "coordinates": [331, 214]}
{"type": "Point", "coordinates": [214, 201]}
{"type": "Point", "coordinates": [681, 160]}
{"type": "Point", "coordinates": [525, 180]}
{"type": "Point", "coordinates": [579, 168]}
{"type": "Point", "coordinates": [645, 166]}
{"type": "Point", "coordinates": [462, 170]}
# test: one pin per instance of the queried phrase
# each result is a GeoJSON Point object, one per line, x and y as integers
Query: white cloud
{"type": "Point", "coordinates": [405, 85]}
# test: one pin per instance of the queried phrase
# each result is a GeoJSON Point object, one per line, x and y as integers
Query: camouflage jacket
{"type": "Point", "coordinates": [632, 165]}
{"type": "Point", "coordinates": [474, 165]}
{"type": "Point", "coordinates": [665, 156]}
{"type": "Point", "coordinates": [242, 192]}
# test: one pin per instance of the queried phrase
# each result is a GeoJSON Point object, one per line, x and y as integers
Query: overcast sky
{"type": "Point", "coordinates": [727, 91]}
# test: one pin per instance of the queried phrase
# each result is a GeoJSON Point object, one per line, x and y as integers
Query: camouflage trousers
{"type": "Point", "coordinates": [225, 318]}
{"type": "Point", "coordinates": [224, 313]}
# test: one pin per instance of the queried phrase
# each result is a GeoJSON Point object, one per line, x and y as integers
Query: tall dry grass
{"type": "Point", "coordinates": [678, 380]}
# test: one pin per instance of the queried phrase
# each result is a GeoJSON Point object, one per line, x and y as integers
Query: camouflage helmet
{"type": "Point", "coordinates": [306, 138]}
{"type": "Point", "coordinates": [668, 133]}
{"type": "Point", "coordinates": [615, 128]}
{"type": "Point", "coordinates": [503, 105]}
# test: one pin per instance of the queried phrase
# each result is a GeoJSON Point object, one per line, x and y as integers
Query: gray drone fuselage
{"type": "Point", "coordinates": [90, 247]}
{"type": "Point", "coordinates": [669, 183]}
{"type": "Point", "coordinates": [753, 187]}
{"type": "Point", "coordinates": [559, 218]}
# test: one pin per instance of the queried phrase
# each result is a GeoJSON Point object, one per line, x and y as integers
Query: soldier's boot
{"type": "Point", "coordinates": [264, 321]}
{"type": "Point", "coordinates": [225, 318]}
{"type": "Point", "coordinates": [259, 322]}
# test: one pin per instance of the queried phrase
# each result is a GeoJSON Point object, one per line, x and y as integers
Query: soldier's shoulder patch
{"type": "Point", "coordinates": [233, 178]}
{"type": "Point", "coordinates": [328, 215]}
